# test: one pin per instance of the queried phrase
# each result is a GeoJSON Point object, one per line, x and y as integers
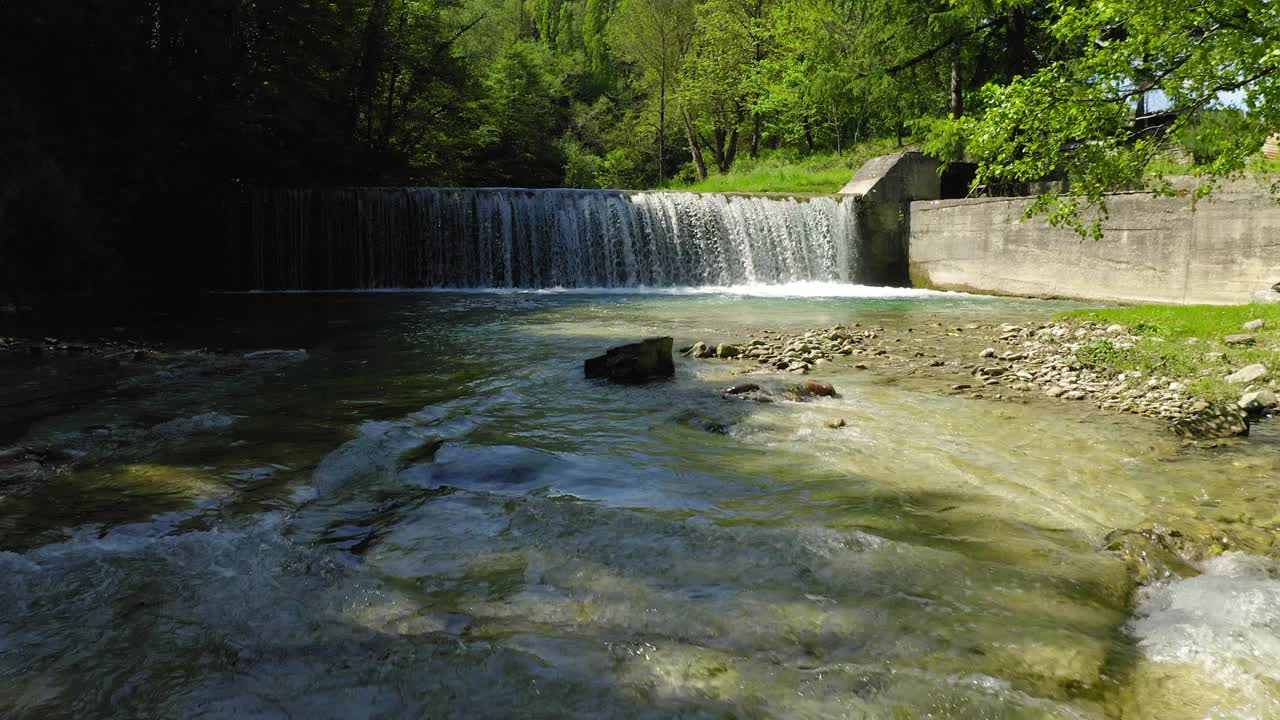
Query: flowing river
{"type": "Point", "coordinates": [431, 513]}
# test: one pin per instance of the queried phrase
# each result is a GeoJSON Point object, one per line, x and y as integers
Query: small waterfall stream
{"type": "Point", "coordinates": [514, 238]}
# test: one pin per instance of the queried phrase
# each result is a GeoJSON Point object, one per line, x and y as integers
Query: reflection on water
{"type": "Point", "coordinates": [432, 515]}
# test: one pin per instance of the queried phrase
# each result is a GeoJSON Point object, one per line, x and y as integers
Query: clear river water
{"type": "Point", "coordinates": [431, 514]}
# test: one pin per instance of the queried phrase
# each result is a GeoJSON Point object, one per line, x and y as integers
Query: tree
{"type": "Point", "coordinates": [595, 28]}
{"type": "Point", "coordinates": [1085, 116]}
{"type": "Point", "coordinates": [526, 109]}
{"type": "Point", "coordinates": [655, 34]}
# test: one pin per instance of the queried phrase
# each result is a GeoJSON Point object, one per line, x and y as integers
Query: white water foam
{"type": "Point", "coordinates": [1224, 624]}
{"type": "Point", "coordinates": [800, 289]}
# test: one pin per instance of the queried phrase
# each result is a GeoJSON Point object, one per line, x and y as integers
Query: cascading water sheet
{"type": "Point", "coordinates": [513, 238]}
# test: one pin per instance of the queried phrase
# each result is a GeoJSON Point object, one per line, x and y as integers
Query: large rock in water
{"type": "Point", "coordinates": [1216, 422]}
{"type": "Point", "coordinates": [646, 360]}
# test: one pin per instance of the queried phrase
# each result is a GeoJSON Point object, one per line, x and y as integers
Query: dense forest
{"type": "Point", "coordinates": [130, 120]}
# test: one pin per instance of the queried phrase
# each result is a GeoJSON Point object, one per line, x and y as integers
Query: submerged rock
{"type": "Point", "coordinates": [741, 388]}
{"type": "Point", "coordinates": [278, 357]}
{"type": "Point", "coordinates": [649, 359]}
{"type": "Point", "coordinates": [705, 424]}
{"type": "Point", "coordinates": [1152, 552]}
{"type": "Point", "coordinates": [809, 389]}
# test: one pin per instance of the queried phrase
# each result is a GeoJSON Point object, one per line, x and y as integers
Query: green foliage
{"type": "Point", "coordinates": [1211, 135]}
{"type": "Point", "coordinates": [595, 26]}
{"type": "Point", "coordinates": [126, 107]}
{"type": "Point", "coordinates": [624, 168]}
{"type": "Point", "coordinates": [791, 171]}
{"type": "Point", "coordinates": [582, 169]}
{"type": "Point", "coordinates": [1101, 354]}
{"type": "Point", "coordinates": [526, 108]}
{"type": "Point", "coordinates": [1076, 115]}
{"type": "Point", "coordinates": [1176, 341]}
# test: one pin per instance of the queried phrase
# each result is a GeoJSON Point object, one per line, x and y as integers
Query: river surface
{"type": "Point", "coordinates": [431, 514]}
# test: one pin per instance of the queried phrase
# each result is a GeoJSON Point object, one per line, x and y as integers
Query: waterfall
{"type": "Point", "coordinates": [498, 237]}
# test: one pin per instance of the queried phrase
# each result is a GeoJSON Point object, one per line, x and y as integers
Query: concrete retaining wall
{"type": "Point", "coordinates": [885, 186]}
{"type": "Point", "coordinates": [1153, 249]}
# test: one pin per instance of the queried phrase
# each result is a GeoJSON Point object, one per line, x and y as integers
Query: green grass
{"type": "Point", "coordinates": [782, 171]}
{"type": "Point", "coordinates": [1167, 166]}
{"type": "Point", "coordinates": [1174, 341]}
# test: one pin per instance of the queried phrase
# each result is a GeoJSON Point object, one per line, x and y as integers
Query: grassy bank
{"type": "Point", "coordinates": [1186, 342]}
{"type": "Point", "coordinates": [781, 171]}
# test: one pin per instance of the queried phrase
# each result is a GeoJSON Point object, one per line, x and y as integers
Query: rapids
{"type": "Point", "coordinates": [429, 513]}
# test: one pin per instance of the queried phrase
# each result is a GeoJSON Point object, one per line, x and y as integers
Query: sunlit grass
{"type": "Point", "coordinates": [1176, 341]}
{"type": "Point", "coordinates": [783, 171]}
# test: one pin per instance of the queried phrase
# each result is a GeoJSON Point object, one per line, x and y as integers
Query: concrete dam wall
{"type": "Point", "coordinates": [1224, 251]}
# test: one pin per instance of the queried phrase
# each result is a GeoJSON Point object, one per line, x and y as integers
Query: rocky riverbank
{"type": "Point", "coordinates": [1060, 362]}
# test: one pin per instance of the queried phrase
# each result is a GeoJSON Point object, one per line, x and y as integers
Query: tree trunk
{"type": "Point", "coordinates": [371, 60]}
{"type": "Point", "coordinates": [899, 129]}
{"type": "Point", "coordinates": [662, 121]}
{"type": "Point", "coordinates": [808, 132]}
{"type": "Point", "coordinates": [717, 146]}
{"type": "Point", "coordinates": [731, 152]}
{"type": "Point", "coordinates": [957, 89]}
{"type": "Point", "coordinates": [757, 125]}
{"type": "Point", "coordinates": [1016, 41]}
{"type": "Point", "coordinates": [695, 146]}
{"type": "Point", "coordinates": [388, 122]}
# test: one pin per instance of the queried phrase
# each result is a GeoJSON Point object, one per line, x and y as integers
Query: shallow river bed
{"type": "Point", "coordinates": [431, 514]}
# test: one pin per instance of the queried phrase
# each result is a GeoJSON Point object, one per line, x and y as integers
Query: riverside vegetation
{"type": "Point", "coordinates": [155, 112]}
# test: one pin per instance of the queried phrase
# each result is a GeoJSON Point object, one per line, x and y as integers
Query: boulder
{"type": "Point", "coordinates": [649, 359]}
{"type": "Point", "coordinates": [819, 389]}
{"type": "Point", "coordinates": [1255, 324]}
{"type": "Point", "coordinates": [1248, 374]}
{"type": "Point", "coordinates": [1242, 339]}
{"type": "Point", "coordinates": [725, 350]}
{"type": "Point", "coordinates": [1215, 422]}
{"type": "Point", "coordinates": [1258, 402]}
